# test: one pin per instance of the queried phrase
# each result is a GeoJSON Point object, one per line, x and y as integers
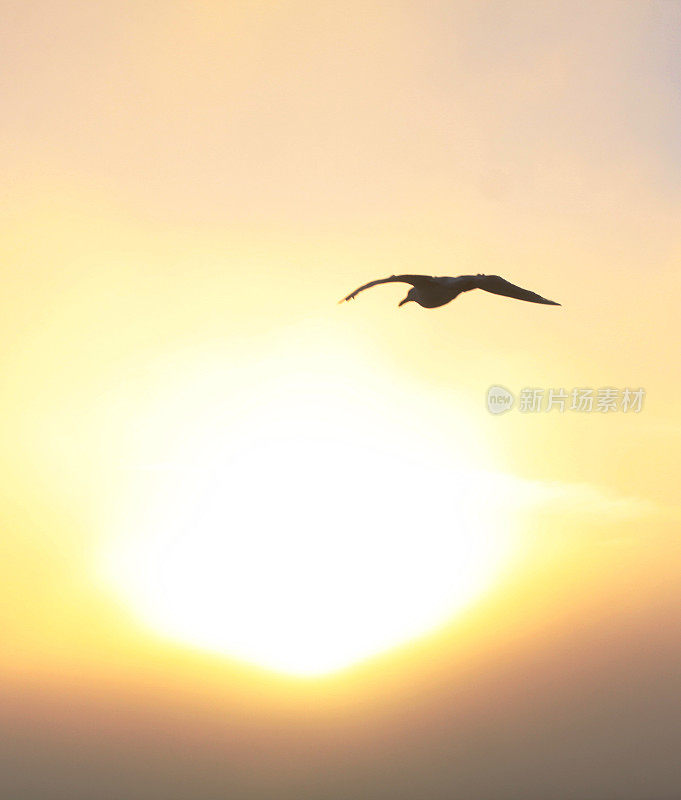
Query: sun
{"type": "Point", "coordinates": [308, 532]}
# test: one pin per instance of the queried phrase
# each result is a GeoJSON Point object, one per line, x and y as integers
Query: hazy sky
{"type": "Point", "coordinates": [188, 189]}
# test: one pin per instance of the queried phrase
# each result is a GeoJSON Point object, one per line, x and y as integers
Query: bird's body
{"type": "Point", "coordinates": [431, 292]}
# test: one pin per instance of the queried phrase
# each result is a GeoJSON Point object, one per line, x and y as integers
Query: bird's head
{"type": "Point", "coordinates": [410, 298]}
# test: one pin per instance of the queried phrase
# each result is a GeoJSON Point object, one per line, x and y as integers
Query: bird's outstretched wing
{"type": "Point", "coordinates": [497, 285]}
{"type": "Point", "coordinates": [415, 280]}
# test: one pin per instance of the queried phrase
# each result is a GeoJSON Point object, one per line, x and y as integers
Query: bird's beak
{"type": "Point", "coordinates": [402, 302]}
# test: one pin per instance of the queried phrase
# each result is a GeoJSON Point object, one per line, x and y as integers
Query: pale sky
{"type": "Point", "coordinates": [188, 190]}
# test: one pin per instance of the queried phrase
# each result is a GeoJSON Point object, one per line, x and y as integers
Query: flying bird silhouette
{"type": "Point", "coordinates": [430, 292]}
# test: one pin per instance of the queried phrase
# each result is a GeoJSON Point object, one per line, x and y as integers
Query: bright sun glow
{"type": "Point", "coordinates": [309, 532]}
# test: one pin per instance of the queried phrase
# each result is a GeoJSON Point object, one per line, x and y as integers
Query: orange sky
{"type": "Point", "coordinates": [188, 190]}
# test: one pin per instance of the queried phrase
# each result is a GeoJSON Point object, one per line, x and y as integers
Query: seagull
{"type": "Point", "coordinates": [430, 291]}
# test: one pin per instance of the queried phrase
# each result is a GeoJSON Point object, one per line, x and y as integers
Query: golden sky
{"type": "Point", "coordinates": [258, 544]}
